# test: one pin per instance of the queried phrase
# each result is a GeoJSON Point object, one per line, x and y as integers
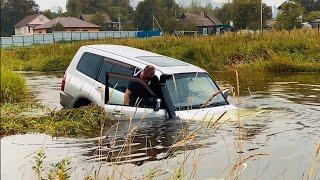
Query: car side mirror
{"type": "Point", "coordinates": [225, 93]}
{"type": "Point", "coordinates": [157, 104]}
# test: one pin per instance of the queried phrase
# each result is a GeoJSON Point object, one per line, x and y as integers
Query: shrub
{"type": "Point", "coordinates": [13, 88]}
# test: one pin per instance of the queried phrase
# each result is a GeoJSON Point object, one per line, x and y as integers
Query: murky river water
{"type": "Point", "coordinates": [280, 116]}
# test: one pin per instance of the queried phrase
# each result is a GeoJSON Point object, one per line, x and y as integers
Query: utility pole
{"type": "Point", "coordinates": [261, 17]}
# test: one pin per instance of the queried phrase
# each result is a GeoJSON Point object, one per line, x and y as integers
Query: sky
{"type": "Point", "coordinates": [53, 4]}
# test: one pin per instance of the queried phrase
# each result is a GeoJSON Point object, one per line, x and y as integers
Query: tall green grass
{"type": "Point", "coordinates": [13, 88]}
{"type": "Point", "coordinates": [273, 51]}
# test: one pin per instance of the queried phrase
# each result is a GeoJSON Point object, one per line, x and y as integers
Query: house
{"type": "Point", "coordinates": [68, 23]}
{"type": "Point", "coordinates": [112, 25]}
{"type": "Point", "coordinates": [204, 23]}
{"type": "Point", "coordinates": [270, 23]}
{"type": "Point", "coordinates": [315, 23]}
{"type": "Point", "coordinates": [26, 25]}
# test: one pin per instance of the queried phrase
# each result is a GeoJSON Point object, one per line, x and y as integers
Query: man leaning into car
{"type": "Point", "coordinates": [135, 91]}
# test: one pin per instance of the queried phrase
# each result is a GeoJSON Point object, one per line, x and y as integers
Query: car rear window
{"type": "Point", "coordinates": [89, 64]}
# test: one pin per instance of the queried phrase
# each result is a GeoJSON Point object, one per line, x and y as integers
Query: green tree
{"type": "Point", "coordinates": [309, 5]}
{"type": "Point", "coordinates": [116, 9]}
{"type": "Point", "coordinates": [288, 18]}
{"type": "Point", "coordinates": [100, 20]}
{"type": "Point", "coordinates": [246, 14]}
{"type": "Point", "coordinates": [145, 12]}
{"type": "Point", "coordinates": [13, 11]}
{"type": "Point", "coordinates": [311, 16]}
{"type": "Point", "coordinates": [224, 13]}
{"type": "Point", "coordinates": [58, 27]}
{"type": "Point", "coordinates": [77, 7]}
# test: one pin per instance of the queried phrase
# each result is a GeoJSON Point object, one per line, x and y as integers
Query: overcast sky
{"type": "Point", "coordinates": [49, 4]}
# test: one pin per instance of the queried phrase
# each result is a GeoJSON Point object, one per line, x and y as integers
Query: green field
{"type": "Point", "coordinates": [273, 51]}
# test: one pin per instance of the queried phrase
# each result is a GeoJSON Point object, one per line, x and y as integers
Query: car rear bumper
{"type": "Point", "coordinates": [66, 100]}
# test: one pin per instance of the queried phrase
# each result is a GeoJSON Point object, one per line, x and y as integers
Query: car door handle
{"type": "Point", "coordinates": [99, 88]}
{"type": "Point", "coordinates": [118, 113]}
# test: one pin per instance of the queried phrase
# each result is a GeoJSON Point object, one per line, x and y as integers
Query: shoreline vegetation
{"type": "Point", "coordinates": [279, 51]}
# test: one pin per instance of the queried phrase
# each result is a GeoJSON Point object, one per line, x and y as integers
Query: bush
{"type": "Point", "coordinates": [13, 88]}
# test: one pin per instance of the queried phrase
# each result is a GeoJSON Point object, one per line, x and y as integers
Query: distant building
{"type": "Point", "coordinates": [26, 25]}
{"type": "Point", "coordinates": [315, 23]}
{"type": "Point", "coordinates": [204, 23]}
{"type": "Point", "coordinates": [69, 24]}
{"type": "Point", "coordinates": [112, 25]}
{"type": "Point", "coordinates": [270, 23]}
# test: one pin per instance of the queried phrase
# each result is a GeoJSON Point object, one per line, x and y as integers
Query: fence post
{"type": "Point", "coordinates": [33, 39]}
{"type": "Point", "coordinates": [318, 28]}
{"type": "Point", "coordinates": [42, 38]}
{"type": "Point", "coordinates": [22, 40]}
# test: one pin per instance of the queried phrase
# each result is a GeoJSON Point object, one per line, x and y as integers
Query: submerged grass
{"type": "Point", "coordinates": [274, 51]}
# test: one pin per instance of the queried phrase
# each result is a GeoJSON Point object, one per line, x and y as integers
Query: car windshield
{"type": "Point", "coordinates": [193, 91]}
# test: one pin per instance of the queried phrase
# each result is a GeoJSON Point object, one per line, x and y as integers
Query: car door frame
{"type": "Point", "coordinates": [125, 112]}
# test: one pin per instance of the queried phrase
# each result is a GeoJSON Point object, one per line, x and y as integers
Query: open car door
{"type": "Point", "coordinates": [116, 86]}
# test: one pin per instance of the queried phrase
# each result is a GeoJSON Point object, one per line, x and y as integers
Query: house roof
{"type": "Point", "coordinates": [68, 22]}
{"type": "Point", "coordinates": [214, 19]}
{"type": "Point", "coordinates": [88, 17]}
{"type": "Point", "coordinates": [26, 20]}
{"type": "Point", "coordinates": [201, 20]}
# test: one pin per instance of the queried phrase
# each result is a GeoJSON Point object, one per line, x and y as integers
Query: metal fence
{"type": "Point", "coordinates": [71, 36]}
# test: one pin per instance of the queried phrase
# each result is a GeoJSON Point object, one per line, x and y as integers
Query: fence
{"type": "Point", "coordinates": [71, 36]}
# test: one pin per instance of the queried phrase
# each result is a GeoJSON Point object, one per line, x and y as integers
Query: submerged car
{"type": "Point", "coordinates": [100, 74]}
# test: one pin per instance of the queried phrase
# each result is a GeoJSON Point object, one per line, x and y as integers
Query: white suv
{"type": "Point", "coordinates": [178, 88]}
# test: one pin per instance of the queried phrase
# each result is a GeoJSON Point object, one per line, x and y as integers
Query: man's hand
{"type": "Point", "coordinates": [127, 95]}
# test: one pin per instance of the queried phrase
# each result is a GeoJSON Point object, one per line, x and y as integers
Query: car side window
{"type": "Point", "coordinates": [89, 64]}
{"type": "Point", "coordinates": [110, 66]}
{"type": "Point", "coordinates": [117, 86]}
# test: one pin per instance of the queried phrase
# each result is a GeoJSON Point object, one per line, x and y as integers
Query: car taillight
{"type": "Point", "coordinates": [63, 83]}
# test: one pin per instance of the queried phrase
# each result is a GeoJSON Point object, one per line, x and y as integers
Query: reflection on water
{"type": "Point", "coordinates": [280, 116]}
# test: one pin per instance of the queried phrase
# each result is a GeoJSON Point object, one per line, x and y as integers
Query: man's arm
{"type": "Point", "coordinates": [127, 95]}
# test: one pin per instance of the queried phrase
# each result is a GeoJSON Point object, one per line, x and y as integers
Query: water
{"type": "Point", "coordinates": [280, 116]}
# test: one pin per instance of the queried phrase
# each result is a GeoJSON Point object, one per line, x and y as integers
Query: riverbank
{"type": "Point", "coordinates": [273, 51]}
{"type": "Point", "coordinates": [21, 113]}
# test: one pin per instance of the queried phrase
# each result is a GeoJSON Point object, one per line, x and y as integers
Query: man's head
{"type": "Point", "coordinates": [147, 73]}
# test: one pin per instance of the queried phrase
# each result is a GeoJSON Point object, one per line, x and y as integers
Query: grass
{"type": "Point", "coordinates": [86, 121]}
{"type": "Point", "coordinates": [13, 87]}
{"type": "Point", "coordinates": [274, 51]}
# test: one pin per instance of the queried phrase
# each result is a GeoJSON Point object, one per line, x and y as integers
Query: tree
{"type": "Point", "coordinates": [247, 14]}
{"type": "Point", "coordinates": [288, 18]}
{"type": "Point", "coordinates": [311, 16]}
{"type": "Point", "coordinates": [310, 5]}
{"type": "Point", "coordinates": [224, 13]}
{"type": "Point", "coordinates": [13, 11]}
{"type": "Point", "coordinates": [58, 27]}
{"type": "Point", "coordinates": [100, 20]}
{"type": "Point", "coordinates": [165, 12]}
{"type": "Point", "coordinates": [114, 8]}
{"type": "Point", "coordinates": [145, 12]}
{"type": "Point", "coordinates": [77, 7]}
